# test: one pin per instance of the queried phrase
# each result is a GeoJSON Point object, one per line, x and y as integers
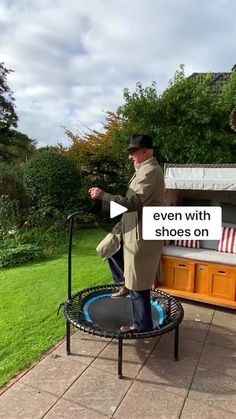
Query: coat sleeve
{"type": "Point", "coordinates": [141, 195]}
{"type": "Point", "coordinates": [132, 203]}
{"type": "Point", "coordinates": [117, 228]}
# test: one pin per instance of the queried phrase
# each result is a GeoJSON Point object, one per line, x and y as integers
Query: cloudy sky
{"type": "Point", "coordinates": [72, 59]}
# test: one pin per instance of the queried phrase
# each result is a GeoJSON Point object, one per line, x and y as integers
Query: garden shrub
{"type": "Point", "coordinates": [33, 245]}
{"type": "Point", "coordinates": [86, 219]}
{"type": "Point", "coordinates": [12, 198]}
{"type": "Point", "coordinates": [19, 255]}
{"type": "Point", "coordinates": [9, 215]}
{"type": "Point", "coordinates": [52, 182]}
{"type": "Point", "coordinates": [54, 240]}
{"type": "Point", "coordinates": [11, 182]}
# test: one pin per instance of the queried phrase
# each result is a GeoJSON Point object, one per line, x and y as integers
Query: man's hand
{"type": "Point", "coordinates": [96, 193]}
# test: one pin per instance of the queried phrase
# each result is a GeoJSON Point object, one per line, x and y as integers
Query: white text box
{"type": "Point", "coordinates": [182, 223]}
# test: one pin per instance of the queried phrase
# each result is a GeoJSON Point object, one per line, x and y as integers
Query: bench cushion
{"type": "Point", "coordinates": [200, 254]}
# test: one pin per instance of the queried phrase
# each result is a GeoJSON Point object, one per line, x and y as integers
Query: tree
{"type": "Point", "coordinates": [189, 122]}
{"type": "Point", "coordinates": [20, 147]}
{"type": "Point", "coordinates": [99, 160]}
{"type": "Point", "coordinates": [8, 117]}
{"type": "Point", "coordinates": [14, 146]}
{"type": "Point", "coordinates": [232, 120]}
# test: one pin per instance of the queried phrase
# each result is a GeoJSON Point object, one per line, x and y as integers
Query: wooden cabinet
{"type": "Point", "coordinates": [222, 282]}
{"type": "Point", "coordinates": [179, 274]}
{"type": "Point", "coordinates": [201, 281]}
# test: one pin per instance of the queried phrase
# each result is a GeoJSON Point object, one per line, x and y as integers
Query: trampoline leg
{"type": "Point", "coordinates": [176, 348]}
{"type": "Point", "coordinates": [120, 349]}
{"type": "Point", "coordinates": [68, 337]}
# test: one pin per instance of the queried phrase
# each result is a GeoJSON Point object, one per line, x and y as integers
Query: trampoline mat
{"type": "Point", "coordinates": [112, 313]}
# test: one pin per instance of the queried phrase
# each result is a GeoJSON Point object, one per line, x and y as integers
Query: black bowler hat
{"type": "Point", "coordinates": [140, 141]}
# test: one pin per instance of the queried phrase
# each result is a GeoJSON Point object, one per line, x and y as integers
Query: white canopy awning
{"type": "Point", "coordinates": [202, 177]}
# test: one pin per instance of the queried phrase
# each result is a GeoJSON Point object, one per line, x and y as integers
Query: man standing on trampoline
{"type": "Point", "coordinates": [129, 256]}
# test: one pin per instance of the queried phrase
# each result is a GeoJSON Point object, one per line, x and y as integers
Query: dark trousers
{"type": "Point", "coordinates": [141, 307]}
{"type": "Point", "coordinates": [116, 263]}
{"type": "Point", "coordinates": [140, 300]}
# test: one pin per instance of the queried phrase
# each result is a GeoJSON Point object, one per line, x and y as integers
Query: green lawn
{"type": "Point", "coordinates": [30, 296]}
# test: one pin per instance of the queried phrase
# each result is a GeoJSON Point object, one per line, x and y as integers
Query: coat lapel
{"type": "Point", "coordinates": [134, 175]}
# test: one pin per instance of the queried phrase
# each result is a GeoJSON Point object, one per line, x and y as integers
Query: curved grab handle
{"type": "Point", "coordinates": [71, 216]}
{"type": "Point", "coordinates": [71, 219]}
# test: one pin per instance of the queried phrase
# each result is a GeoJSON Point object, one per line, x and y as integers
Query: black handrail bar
{"type": "Point", "coordinates": [71, 219]}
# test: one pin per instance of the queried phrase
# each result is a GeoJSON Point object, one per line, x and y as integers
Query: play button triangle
{"type": "Point", "coordinates": [116, 209]}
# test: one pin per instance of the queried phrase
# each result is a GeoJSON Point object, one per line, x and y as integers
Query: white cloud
{"type": "Point", "coordinates": [72, 59]}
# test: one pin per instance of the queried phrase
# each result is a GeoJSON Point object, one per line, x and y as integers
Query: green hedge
{"type": "Point", "coordinates": [21, 254]}
{"type": "Point", "coordinates": [52, 180]}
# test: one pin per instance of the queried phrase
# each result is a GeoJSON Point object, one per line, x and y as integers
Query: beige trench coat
{"type": "Point", "coordinates": [141, 257]}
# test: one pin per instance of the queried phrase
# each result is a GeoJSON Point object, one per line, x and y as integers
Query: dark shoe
{"type": "Point", "coordinates": [130, 329]}
{"type": "Point", "coordinates": [127, 329]}
{"type": "Point", "coordinates": [121, 293]}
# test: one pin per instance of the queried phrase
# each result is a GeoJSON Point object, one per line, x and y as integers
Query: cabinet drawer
{"type": "Point", "coordinates": [222, 280]}
{"type": "Point", "coordinates": [201, 278]}
{"type": "Point", "coordinates": [178, 274]}
{"type": "Point", "coordinates": [183, 276]}
{"type": "Point", "coordinates": [166, 272]}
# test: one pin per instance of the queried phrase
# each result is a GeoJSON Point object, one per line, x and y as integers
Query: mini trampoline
{"type": "Point", "coordinates": [93, 311]}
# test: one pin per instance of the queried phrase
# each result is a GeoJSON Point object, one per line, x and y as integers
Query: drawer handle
{"type": "Point", "coordinates": [182, 265]}
{"type": "Point", "coordinates": [200, 268]}
{"type": "Point", "coordinates": [221, 272]}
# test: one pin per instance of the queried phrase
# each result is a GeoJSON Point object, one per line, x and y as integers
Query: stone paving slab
{"type": "Point", "coordinates": [194, 329]}
{"type": "Point", "coordinates": [225, 319]}
{"type": "Point", "coordinates": [64, 409]}
{"type": "Point", "coordinates": [197, 312]}
{"type": "Point", "coordinates": [215, 379]}
{"type": "Point", "coordinates": [147, 401]}
{"type": "Point", "coordinates": [98, 390]}
{"type": "Point", "coordinates": [197, 321]}
{"type": "Point", "coordinates": [22, 401]}
{"type": "Point", "coordinates": [222, 336]}
{"type": "Point", "coordinates": [218, 360]}
{"type": "Point", "coordinates": [135, 354]}
{"type": "Point", "coordinates": [84, 348]}
{"type": "Point", "coordinates": [54, 374]}
{"type": "Point", "coordinates": [163, 372]}
{"type": "Point", "coordinates": [189, 349]}
{"type": "Point", "coordinates": [195, 410]}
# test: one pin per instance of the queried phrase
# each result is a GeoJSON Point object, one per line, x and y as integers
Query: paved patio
{"type": "Point", "coordinates": [85, 385]}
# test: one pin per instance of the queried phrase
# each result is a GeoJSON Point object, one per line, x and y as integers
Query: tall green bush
{"type": "Point", "coordinates": [52, 181]}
